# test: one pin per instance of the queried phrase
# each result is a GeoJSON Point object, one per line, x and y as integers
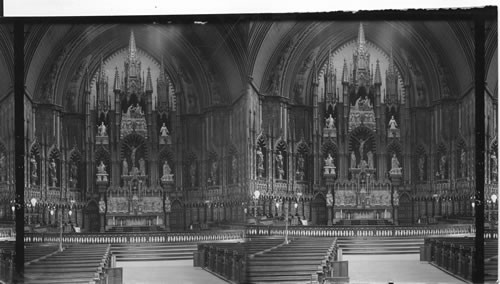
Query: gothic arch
{"type": "Point", "coordinates": [261, 157]}
{"type": "Point", "coordinates": [281, 160]}
{"type": "Point", "coordinates": [442, 161]}
{"type": "Point", "coordinates": [102, 154]}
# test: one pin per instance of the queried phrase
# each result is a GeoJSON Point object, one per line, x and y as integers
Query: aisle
{"type": "Point", "coordinates": [403, 268]}
{"type": "Point", "coordinates": [156, 272]}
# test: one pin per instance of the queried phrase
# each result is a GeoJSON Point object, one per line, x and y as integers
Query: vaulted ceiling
{"type": "Point", "coordinates": [235, 53]}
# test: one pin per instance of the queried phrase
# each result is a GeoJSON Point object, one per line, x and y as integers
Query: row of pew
{"type": "Point", "coordinates": [267, 260]}
{"type": "Point", "coordinates": [229, 260]}
{"type": "Point", "coordinates": [456, 255]}
{"type": "Point", "coordinates": [75, 264]}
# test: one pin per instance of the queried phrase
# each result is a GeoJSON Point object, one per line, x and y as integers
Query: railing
{"type": "Point", "coordinates": [116, 238]}
{"type": "Point", "coordinates": [7, 266]}
{"type": "Point", "coordinates": [359, 231]}
{"type": "Point", "coordinates": [7, 233]}
{"type": "Point", "coordinates": [455, 255]}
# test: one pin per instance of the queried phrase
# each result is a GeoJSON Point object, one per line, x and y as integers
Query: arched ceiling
{"type": "Point", "coordinates": [6, 60]}
{"type": "Point", "coordinates": [204, 55]}
{"type": "Point", "coordinates": [436, 47]}
{"type": "Point", "coordinates": [219, 58]}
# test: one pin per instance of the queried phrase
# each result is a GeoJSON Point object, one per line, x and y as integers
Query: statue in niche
{"type": "Point", "coordinates": [132, 155]}
{"type": "Point", "coordinates": [395, 167]}
{"type": "Point", "coordinates": [142, 167]}
{"type": "Point", "coordinates": [34, 169]}
{"type": "Point", "coordinates": [329, 198]}
{"type": "Point", "coordinates": [124, 167]}
{"type": "Point", "coordinates": [361, 146]}
{"type": "Point", "coordinates": [395, 198]}
{"type": "Point", "coordinates": [102, 206]}
{"type": "Point", "coordinates": [370, 159]}
{"type": "Point", "coordinates": [102, 130]}
{"type": "Point", "coordinates": [73, 174]}
{"type": "Point", "coordinates": [279, 164]}
{"type": "Point", "coordinates": [442, 166]}
{"type": "Point", "coordinates": [166, 169]}
{"type": "Point", "coordinates": [164, 130]}
{"type": "Point", "coordinates": [330, 122]}
{"type": "Point", "coordinates": [421, 162]}
{"type": "Point", "coordinates": [393, 125]}
{"type": "Point", "coordinates": [260, 161]}
{"type": "Point", "coordinates": [300, 163]}
{"type": "Point", "coordinates": [463, 165]}
{"type": "Point", "coordinates": [3, 168]}
{"type": "Point", "coordinates": [494, 164]}
{"type": "Point", "coordinates": [101, 168]}
{"type": "Point", "coordinates": [53, 172]}
{"type": "Point", "coordinates": [394, 162]}
{"type": "Point", "coordinates": [353, 160]}
{"type": "Point", "coordinates": [213, 172]}
{"type": "Point", "coordinates": [329, 160]}
{"type": "Point", "coordinates": [192, 173]}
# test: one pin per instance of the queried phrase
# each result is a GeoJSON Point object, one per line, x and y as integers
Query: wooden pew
{"type": "Point", "coordinates": [76, 264]}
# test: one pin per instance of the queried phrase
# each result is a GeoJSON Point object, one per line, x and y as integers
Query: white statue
{"type": "Point", "coordinates": [329, 160]}
{"type": "Point", "coordinates": [102, 206]}
{"type": "Point", "coordinates": [101, 169]}
{"type": "Point", "coordinates": [166, 169]}
{"type": "Point", "coordinates": [370, 159]}
{"type": "Point", "coordinates": [330, 122]}
{"type": "Point", "coordinates": [329, 199]}
{"type": "Point", "coordinates": [102, 129]}
{"type": "Point", "coordinates": [353, 160]}
{"type": "Point", "coordinates": [142, 167]}
{"type": "Point", "coordinates": [164, 130]}
{"type": "Point", "coordinates": [394, 162]}
{"type": "Point", "coordinates": [124, 167]}
{"type": "Point", "coordinates": [393, 124]}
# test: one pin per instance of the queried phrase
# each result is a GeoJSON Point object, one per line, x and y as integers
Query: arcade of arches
{"type": "Point", "coordinates": [177, 126]}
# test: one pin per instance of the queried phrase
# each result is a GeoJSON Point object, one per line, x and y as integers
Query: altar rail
{"type": "Point", "coordinates": [456, 255]}
{"type": "Point", "coordinates": [362, 231]}
{"type": "Point", "coordinates": [120, 238]}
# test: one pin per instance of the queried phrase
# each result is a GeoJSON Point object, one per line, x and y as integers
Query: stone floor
{"type": "Point", "coordinates": [404, 268]}
{"type": "Point", "coordinates": [156, 272]}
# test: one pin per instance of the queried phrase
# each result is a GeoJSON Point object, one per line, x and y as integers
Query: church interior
{"type": "Point", "coordinates": [205, 132]}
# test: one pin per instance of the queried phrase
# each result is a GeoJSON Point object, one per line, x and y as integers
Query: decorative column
{"type": "Point", "coordinates": [102, 185]}
{"type": "Point", "coordinates": [167, 182]}
{"type": "Point", "coordinates": [396, 176]}
{"type": "Point", "coordinates": [329, 174]}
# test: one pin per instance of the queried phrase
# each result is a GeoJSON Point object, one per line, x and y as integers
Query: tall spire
{"type": "Point", "coordinates": [378, 77]}
{"type": "Point", "coordinates": [116, 83]}
{"type": "Point", "coordinates": [345, 73]}
{"type": "Point", "coordinates": [361, 36]}
{"type": "Point", "coordinates": [132, 49]}
{"type": "Point", "coordinates": [149, 82]}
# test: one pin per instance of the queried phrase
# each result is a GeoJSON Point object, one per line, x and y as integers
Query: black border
{"type": "Point", "coordinates": [477, 15]}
